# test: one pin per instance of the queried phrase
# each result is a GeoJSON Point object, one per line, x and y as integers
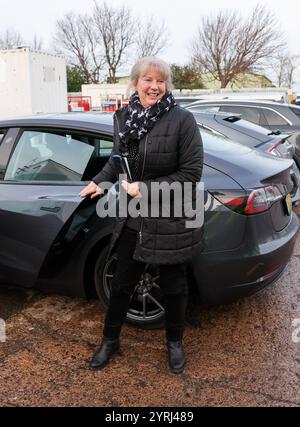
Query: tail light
{"type": "Point", "coordinates": [272, 149]}
{"type": "Point", "coordinates": [262, 199]}
{"type": "Point", "coordinates": [251, 202]}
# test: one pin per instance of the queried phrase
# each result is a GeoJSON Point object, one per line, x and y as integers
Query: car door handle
{"type": "Point", "coordinates": [55, 209]}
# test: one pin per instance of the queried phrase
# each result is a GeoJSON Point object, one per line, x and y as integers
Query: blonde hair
{"type": "Point", "coordinates": [143, 64]}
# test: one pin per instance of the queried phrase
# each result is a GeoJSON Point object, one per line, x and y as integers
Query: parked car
{"type": "Point", "coordinates": [271, 115]}
{"type": "Point", "coordinates": [182, 101]}
{"type": "Point", "coordinates": [268, 95]}
{"type": "Point", "coordinates": [52, 239]}
{"type": "Point", "coordinates": [234, 127]}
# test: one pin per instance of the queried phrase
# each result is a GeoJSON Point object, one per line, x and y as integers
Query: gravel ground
{"type": "Point", "coordinates": [238, 355]}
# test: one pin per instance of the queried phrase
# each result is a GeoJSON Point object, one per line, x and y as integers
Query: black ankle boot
{"type": "Point", "coordinates": [102, 356]}
{"type": "Point", "coordinates": [176, 356]}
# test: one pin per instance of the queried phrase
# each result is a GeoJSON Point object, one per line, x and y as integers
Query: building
{"type": "Point", "coordinates": [32, 83]}
{"type": "Point", "coordinates": [104, 93]}
{"type": "Point", "coordinates": [247, 80]}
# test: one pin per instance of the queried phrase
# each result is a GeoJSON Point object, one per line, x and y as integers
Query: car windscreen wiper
{"type": "Point", "coordinates": [275, 132]}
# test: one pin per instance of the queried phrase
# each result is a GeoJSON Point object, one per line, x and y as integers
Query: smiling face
{"type": "Point", "coordinates": [151, 87]}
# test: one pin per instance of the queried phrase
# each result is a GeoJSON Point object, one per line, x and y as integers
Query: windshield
{"type": "Point", "coordinates": [252, 126]}
{"type": "Point", "coordinates": [219, 144]}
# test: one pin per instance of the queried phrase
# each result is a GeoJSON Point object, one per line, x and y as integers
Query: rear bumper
{"type": "Point", "coordinates": [225, 276]}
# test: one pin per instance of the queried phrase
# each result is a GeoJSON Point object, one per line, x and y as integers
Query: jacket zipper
{"type": "Point", "coordinates": [118, 126]}
{"type": "Point", "coordinates": [141, 233]}
{"type": "Point", "coordinates": [144, 161]}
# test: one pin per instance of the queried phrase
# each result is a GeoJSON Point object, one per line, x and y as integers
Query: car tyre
{"type": "Point", "coordinates": [146, 307]}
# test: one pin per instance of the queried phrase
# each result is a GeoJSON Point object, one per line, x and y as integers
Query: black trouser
{"type": "Point", "coordinates": [173, 283]}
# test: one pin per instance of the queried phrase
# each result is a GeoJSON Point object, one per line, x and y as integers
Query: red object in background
{"type": "Point", "coordinates": [110, 105]}
{"type": "Point", "coordinates": [85, 105]}
{"type": "Point", "coordinates": [79, 103]}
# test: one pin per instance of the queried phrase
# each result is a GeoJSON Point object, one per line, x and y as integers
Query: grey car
{"type": "Point", "coordinates": [271, 115]}
{"type": "Point", "coordinates": [52, 239]}
{"type": "Point", "coordinates": [182, 101]}
{"type": "Point", "coordinates": [232, 126]}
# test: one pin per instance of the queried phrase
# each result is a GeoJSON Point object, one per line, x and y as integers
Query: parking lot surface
{"type": "Point", "coordinates": [244, 354]}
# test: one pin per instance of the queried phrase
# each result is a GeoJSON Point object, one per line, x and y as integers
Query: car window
{"type": "Point", "coordinates": [251, 114]}
{"type": "Point", "coordinates": [295, 110]}
{"type": "Point", "coordinates": [250, 126]}
{"type": "Point", "coordinates": [219, 144]}
{"type": "Point", "coordinates": [105, 148]}
{"type": "Point", "coordinates": [57, 156]}
{"type": "Point", "coordinates": [274, 119]}
{"type": "Point", "coordinates": [210, 130]}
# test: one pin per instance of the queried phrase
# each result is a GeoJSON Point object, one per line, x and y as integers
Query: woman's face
{"type": "Point", "coordinates": [151, 87]}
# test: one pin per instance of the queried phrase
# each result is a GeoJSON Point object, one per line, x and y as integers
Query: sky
{"type": "Point", "coordinates": [181, 17]}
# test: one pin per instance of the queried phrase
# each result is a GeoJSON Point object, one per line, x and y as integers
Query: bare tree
{"type": "Point", "coordinates": [284, 67]}
{"type": "Point", "coordinates": [115, 27]}
{"type": "Point", "coordinates": [226, 46]}
{"type": "Point", "coordinates": [280, 69]}
{"type": "Point", "coordinates": [76, 38]}
{"type": "Point", "coordinates": [37, 43]}
{"type": "Point", "coordinates": [10, 40]}
{"type": "Point", "coordinates": [151, 38]}
{"type": "Point", "coordinates": [292, 66]}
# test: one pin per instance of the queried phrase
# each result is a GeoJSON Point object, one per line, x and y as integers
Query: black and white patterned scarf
{"type": "Point", "coordinates": [141, 120]}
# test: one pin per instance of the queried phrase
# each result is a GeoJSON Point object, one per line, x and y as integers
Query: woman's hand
{"type": "Point", "coordinates": [133, 189]}
{"type": "Point", "coordinates": [92, 190]}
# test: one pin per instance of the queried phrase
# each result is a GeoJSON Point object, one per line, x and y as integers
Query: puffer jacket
{"type": "Point", "coordinates": [171, 152]}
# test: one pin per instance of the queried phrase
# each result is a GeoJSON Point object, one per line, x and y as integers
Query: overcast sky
{"type": "Point", "coordinates": [181, 17]}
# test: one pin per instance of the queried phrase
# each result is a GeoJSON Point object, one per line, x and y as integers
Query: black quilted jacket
{"type": "Point", "coordinates": [172, 151]}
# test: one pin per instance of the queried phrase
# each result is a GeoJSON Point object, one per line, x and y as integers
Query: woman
{"type": "Point", "coordinates": [163, 145]}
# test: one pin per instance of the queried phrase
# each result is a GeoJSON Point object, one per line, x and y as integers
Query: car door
{"type": "Point", "coordinates": [42, 172]}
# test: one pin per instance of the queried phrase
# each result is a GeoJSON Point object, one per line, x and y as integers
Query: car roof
{"type": "Point", "coordinates": [212, 114]}
{"type": "Point", "coordinates": [240, 101]}
{"type": "Point", "coordinates": [88, 121]}
{"type": "Point", "coordinates": [188, 98]}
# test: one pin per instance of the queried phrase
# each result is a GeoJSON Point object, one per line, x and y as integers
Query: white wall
{"type": "Point", "coordinates": [15, 93]}
{"type": "Point", "coordinates": [31, 83]}
{"type": "Point", "coordinates": [48, 83]}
